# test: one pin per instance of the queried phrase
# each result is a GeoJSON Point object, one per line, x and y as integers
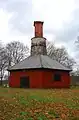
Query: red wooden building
{"type": "Point", "coordinates": [39, 70]}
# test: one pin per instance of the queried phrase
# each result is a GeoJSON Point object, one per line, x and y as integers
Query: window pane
{"type": "Point", "coordinates": [57, 77]}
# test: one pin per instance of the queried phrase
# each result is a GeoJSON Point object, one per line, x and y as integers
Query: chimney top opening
{"type": "Point", "coordinates": [38, 28]}
{"type": "Point", "coordinates": [38, 22]}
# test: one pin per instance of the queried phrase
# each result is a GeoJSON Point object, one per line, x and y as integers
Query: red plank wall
{"type": "Point", "coordinates": [48, 79]}
{"type": "Point", "coordinates": [34, 76]}
{"type": "Point", "coordinates": [40, 78]}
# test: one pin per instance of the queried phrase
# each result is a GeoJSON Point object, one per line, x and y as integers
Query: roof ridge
{"type": "Point", "coordinates": [41, 61]}
{"type": "Point", "coordinates": [46, 61]}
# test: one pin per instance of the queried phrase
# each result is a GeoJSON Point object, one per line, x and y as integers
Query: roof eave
{"type": "Point", "coordinates": [39, 68]}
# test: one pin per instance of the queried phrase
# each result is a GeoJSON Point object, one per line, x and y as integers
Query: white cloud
{"type": "Point", "coordinates": [4, 26]}
{"type": "Point", "coordinates": [53, 12]}
{"type": "Point", "coordinates": [58, 17]}
{"type": "Point", "coordinates": [3, 23]}
{"type": "Point", "coordinates": [61, 20]}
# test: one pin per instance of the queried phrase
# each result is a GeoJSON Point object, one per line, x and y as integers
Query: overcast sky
{"type": "Point", "coordinates": [61, 21]}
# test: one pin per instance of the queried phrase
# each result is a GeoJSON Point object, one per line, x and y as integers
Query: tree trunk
{"type": "Point", "coordinates": [1, 77]}
{"type": "Point", "coordinates": [1, 80]}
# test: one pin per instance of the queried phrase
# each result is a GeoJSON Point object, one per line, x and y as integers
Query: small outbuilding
{"type": "Point", "coordinates": [39, 70]}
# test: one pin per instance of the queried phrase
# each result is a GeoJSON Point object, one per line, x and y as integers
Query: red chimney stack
{"type": "Point", "coordinates": [38, 28]}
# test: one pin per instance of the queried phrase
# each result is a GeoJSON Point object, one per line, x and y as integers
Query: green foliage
{"type": "Point", "coordinates": [74, 87]}
{"type": "Point", "coordinates": [24, 113]}
{"type": "Point", "coordinates": [19, 118]}
{"type": "Point", "coordinates": [41, 116]}
{"type": "Point", "coordinates": [37, 98]}
{"type": "Point", "coordinates": [5, 85]}
{"type": "Point", "coordinates": [30, 118]}
{"type": "Point", "coordinates": [22, 100]}
{"type": "Point", "coordinates": [74, 118]}
{"type": "Point", "coordinates": [53, 113]}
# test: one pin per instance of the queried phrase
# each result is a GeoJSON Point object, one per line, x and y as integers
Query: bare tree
{"type": "Point", "coordinates": [11, 54]}
{"type": "Point", "coordinates": [77, 46]}
{"type": "Point", "coordinates": [60, 55]}
{"type": "Point", "coordinates": [16, 52]}
{"type": "Point", "coordinates": [50, 49]}
{"type": "Point", "coordinates": [76, 72]}
{"type": "Point", "coordinates": [3, 62]}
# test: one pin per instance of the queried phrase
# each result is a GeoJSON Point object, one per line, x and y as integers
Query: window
{"type": "Point", "coordinates": [57, 77]}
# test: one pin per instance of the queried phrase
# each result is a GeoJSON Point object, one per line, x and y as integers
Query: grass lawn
{"type": "Point", "coordinates": [39, 104]}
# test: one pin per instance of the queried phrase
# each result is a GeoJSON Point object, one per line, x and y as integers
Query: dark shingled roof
{"type": "Point", "coordinates": [38, 61]}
